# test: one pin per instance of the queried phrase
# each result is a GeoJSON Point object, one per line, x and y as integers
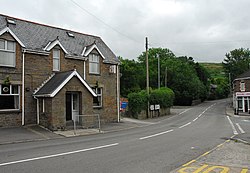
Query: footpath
{"type": "Point", "coordinates": [232, 156]}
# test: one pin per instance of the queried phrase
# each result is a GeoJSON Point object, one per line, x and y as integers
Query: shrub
{"type": "Point", "coordinates": [138, 101]}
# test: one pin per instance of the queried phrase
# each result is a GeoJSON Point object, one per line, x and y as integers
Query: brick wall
{"type": "Point", "coordinates": [237, 85]}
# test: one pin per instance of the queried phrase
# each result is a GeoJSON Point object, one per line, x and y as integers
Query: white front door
{"type": "Point", "coordinates": [75, 106]}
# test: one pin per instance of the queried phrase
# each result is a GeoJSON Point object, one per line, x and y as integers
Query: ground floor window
{"type": "Point", "coordinates": [9, 97]}
{"type": "Point", "coordinates": [240, 107]}
{"type": "Point", "coordinates": [97, 101]}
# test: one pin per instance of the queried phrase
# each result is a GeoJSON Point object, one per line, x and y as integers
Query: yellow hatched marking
{"type": "Point", "coordinates": [244, 171]}
{"type": "Point", "coordinates": [224, 169]}
{"type": "Point", "coordinates": [193, 169]}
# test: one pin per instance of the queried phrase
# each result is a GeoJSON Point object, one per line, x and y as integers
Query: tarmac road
{"type": "Point", "coordinates": [154, 147]}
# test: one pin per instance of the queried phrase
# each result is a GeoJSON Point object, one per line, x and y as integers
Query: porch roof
{"type": "Point", "coordinates": [52, 86]}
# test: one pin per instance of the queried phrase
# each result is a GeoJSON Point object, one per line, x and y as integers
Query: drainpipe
{"type": "Point", "coordinates": [37, 110]}
{"type": "Point", "coordinates": [84, 70]}
{"type": "Point", "coordinates": [23, 94]}
{"type": "Point", "coordinates": [118, 93]}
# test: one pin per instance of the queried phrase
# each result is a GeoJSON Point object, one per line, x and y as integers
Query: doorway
{"type": "Point", "coordinates": [246, 105]}
{"type": "Point", "coordinates": [72, 106]}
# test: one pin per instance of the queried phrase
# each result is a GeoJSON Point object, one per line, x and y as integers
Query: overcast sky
{"type": "Point", "coordinates": [203, 29]}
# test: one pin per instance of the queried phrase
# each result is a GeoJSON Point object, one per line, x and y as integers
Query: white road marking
{"type": "Point", "coordinates": [157, 134]}
{"type": "Point", "coordinates": [57, 155]}
{"type": "Point", "coordinates": [231, 123]}
{"type": "Point", "coordinates": [184, 125]}
{"type": "Point", "coordinates": [195, 119]}
{"type": "Point", "coordinates": [241, 130]}
{"type": "Point", "coordinates": [184, 111]}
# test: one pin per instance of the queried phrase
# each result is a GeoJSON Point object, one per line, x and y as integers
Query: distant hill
{"type": "Point", "coordinates": [214, 69]}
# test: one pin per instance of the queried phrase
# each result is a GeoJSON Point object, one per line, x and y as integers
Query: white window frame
{"type": "Point", "coordinates": [9, 51]}
{"type": "Point", "coordinates": [98, 95]}
{"type": "Point", "coordinates": [242, 86]}
{"type": "Point", "coordinates": [92, 62]}
{"type": "Point", "coordinates": [56, 59]}
{"type": "Point", "coordinates": [43, 106]}
{"type": "Point", "coordinates": [11, 94]}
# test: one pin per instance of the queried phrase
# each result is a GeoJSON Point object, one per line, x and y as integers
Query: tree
{"type": "Point", "coordinates": [131, 78]}
{"type": "Point", "coordinates": [236, 62]}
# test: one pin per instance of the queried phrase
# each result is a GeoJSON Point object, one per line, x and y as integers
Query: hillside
{"type": "Point", "coordinates": [214, 69]}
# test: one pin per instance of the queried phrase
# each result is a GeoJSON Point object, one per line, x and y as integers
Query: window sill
{"type": "Point", "coordinates": [96, 74]}
{"type": "Point", "coordinates": [10, 110]}
{"type": "Point", "coordinates": [97, 107]}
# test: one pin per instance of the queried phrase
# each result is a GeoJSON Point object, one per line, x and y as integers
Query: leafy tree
{"type": "Point", "coordinates": [236, 62]}
{"type": "Point", "coordinates": [131, 76]}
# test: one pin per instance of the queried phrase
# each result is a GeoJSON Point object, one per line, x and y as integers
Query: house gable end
{"type": "Point", "coordinates": [8, 30]}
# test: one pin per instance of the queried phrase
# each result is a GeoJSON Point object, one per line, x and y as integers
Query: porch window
{"type": "Point", "coordinates": [9, 97]}
{"type": "Point", "coordinates": [94, 64]}
{"type": "Point", "coordinates": [97, 101]}
{"type": "Point", "coordinates": [7, 53]}
{"type": "Point", "coordinates": [56, 60]}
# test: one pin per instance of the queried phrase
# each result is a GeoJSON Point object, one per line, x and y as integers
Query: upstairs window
{"type": "Point", "coordinates": [9, 97]}
{"type": "Point", "coordinates": [242, 86]}
{"type": "Point", "coordinates": [94, 64]}
{"type": "Point", "coordinates": [56, 60]}
{"type": "Point", "coordinates": [7, 53]}
{"type": "Point", "coordinates": [97, 101]}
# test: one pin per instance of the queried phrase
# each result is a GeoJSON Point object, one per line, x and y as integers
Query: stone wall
{"type": "Point", "coordinates": [12, 118]}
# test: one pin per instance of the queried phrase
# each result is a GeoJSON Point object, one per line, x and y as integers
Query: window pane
{"type": "Point", "coordinates": [5, 89]}
{"type": "Point", "coordinates": [14, 89]}
{"type": "Point", "coordinates": [56, 54]}
{"type": "Point", "coordinates": [10, 45]}
{"type": "Point", "coordinates": [56, 65]}
{"type": "Point", "coordinates": [7, 102]}
{"type": "Point", "coordinates": [7, 58]}
{"type": "Point", "coordinates": [2, 44]}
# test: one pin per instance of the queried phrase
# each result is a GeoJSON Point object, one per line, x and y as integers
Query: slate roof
{"type": "Point", "coordinates": [36, 36]}
{"type": "Point", "coordinates": [57, 82]}
{"type": "Point", "coordinates": [243, 75]}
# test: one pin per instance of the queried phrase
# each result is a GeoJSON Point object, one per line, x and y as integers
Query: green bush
{"type": "Point", "coordinates": [163, 96]}
{"type": "Point", "coordinates": [138, 101]}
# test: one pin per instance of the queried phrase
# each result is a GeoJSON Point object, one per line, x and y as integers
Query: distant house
{"type": "Point", "coordinates": [49, 75]}
{"type": "Point", "coordinates": [241, 93]}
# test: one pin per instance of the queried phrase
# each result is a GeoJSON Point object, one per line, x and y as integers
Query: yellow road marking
{"type": "Point", "coordinates": [224, 169]}
{"type": "Point", "coordinates": [192, 168]}
{"type": "Point", "coordinates": [206, 153]}
{"type": "Point", "coordinates": [244, 171]}
{"type": "Point", "coordinates": [192, 161]}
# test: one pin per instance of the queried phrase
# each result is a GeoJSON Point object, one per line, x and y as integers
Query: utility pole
{"type": "Point", "coordinates": [166, 76]}
{"type": "Point", "coordinates": [159, 72]}
{"type": "Point", "coordinates": [147, 73]}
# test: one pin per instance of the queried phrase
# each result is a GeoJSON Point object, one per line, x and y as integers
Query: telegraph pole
{"type": "Point", "coordinates": [147, 65]}
{"type": "Point", "coordinates": [159, 72]}
{"type": "Point", "coordinates": [147, 73]}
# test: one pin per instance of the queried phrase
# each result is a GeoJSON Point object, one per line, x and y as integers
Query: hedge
{"type": "Point", "coordinates": [138, 101]}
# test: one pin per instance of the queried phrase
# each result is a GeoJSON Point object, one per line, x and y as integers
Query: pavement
{"type": "Point", "coordinates": [231, 156]}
